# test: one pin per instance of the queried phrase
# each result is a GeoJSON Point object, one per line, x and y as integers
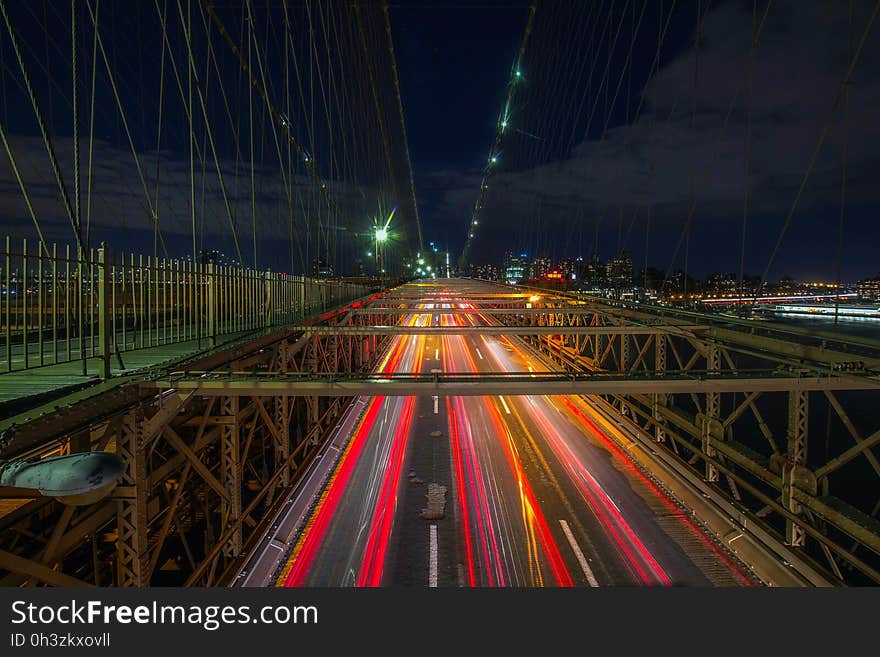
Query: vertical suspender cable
{"type": "Point", "coordinates": [250, 21]}
{"type": "Point", "coordinates": [92, 127]}
{"type": "Point", "coordinates": [412, 184]}
{"type": "Point", "coordinates": [843, 171]}
{"type": "Point", "coordinates": [192, 139]}
{"type": "Point", "coordinates": [687, 236]}
{"type": "Point", "coordinates": [499, 134]}
{"type": "Point", "coordinates": [854, 60]}
{"type": "Point", "coordinates": [75, 103]}
{"type": "Point", "coordinates": [748, 146]}
{"type": "Point", "coordinates": [53, 159]}
{"type": "Point", "coordinates": [137, 162]}
{"type": "Point", "coordinates": [159, 139]}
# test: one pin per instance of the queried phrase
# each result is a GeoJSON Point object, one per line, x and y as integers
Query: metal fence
{"type": "Point", "coordinates": [63, 305]}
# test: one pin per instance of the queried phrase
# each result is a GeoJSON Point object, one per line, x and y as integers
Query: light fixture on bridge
{"type": "Point", "coordinates": [381, 234]}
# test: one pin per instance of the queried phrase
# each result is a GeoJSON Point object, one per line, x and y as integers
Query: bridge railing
{"type": "Point", "coordinates": [63, 305]}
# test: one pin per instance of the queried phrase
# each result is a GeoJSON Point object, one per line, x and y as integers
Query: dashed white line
{"type": "Point", "coordinates": [436, 404]}
{"type": "Point", "coordinates": [612, 503]}
{"type": "Point", "coordinates": [437, 354]}
{"type": "Point", "coordinates": [582, 560]}
{"type": "Point", "coordinates": [432, 558]}
{"type": "Point", "coordinates": [504, 404]}
{"type": "Point", "coordinates": [479, 354]}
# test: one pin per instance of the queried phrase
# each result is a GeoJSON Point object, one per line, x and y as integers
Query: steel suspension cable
{"type": "Point", "coordinates": [137, 162]}
{"type": "Point", "coordinates": [412, 183]}
{"type": "Point", "coordinates": [499, 135]}
{"type": "Point", "coordinates": [56, 169]}
{"type": "Point", "coordinates": [819, 143]}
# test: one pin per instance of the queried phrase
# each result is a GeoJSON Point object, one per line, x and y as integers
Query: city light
{"type": "Point", "coordinates": [381, 234]}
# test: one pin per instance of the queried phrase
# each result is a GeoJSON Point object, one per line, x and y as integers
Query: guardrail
{"type": "Point", "coordinates": [61, 305]}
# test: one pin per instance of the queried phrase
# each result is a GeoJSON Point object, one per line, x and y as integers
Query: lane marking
{"type": "Point", "coordinates": [479, 354]}
{"type": "Point", "coordinates": [582, 560]}
{"type": "Point", "coordinates": [610, 500]}
{"type": "Point", "coordinates": [432, 560]}
{"type": "Point", "coordinates": [437, 354]}
{"type": "Point", "coordinates": [436, 404]}
{"type": "Point", "coordinates": [504, 404]}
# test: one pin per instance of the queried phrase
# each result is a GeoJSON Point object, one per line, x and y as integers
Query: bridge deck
{"type": "Point", "coordinates": [21, 389]}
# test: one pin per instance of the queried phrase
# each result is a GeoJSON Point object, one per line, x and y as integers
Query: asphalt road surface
{"type": "Point", "coordinates": [536, 492]}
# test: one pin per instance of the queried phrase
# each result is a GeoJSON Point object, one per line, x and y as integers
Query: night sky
{"type": "Point", "coordinates": [561, 188]}
{"type": "Point", "coordinates": [455, 64]}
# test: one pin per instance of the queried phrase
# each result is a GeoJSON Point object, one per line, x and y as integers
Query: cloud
{"type": "Point", "coordinates": [798, 65]}
{"type": "Point", "coordinates": [120, 204]}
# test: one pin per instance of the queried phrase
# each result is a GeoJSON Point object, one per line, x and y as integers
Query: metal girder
{"type": "Point", "coordinates": [282, 444]}
{"type": "Point", "coordinates": [659, 399]}
{"type": "Point", "coordinates": [574, 311]}
{"type": "Point", "coordinates": [132, 549]}
{"type": "Point", "coordinates": [15, 563]}
{"type": "Point", "coordinates": [794, 472]}
{"type": "Point", "coordinates": [711, 424]}
{"type": "Point", "coordinates": [559, 329]}
{"type": "Point", "coordinates": [323, 385]}
{"type": "Point", "coordinates": [230, 466]}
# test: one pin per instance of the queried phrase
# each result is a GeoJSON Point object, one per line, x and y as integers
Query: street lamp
{"type": "Point", "coordinates": [381, 236]}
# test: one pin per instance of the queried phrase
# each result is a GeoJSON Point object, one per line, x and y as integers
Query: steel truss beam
{"type": "Point", "coordinates": [524, 383]}
{"type": "Point", "coordinates": [731, 438]}
{"type": "Point", "coordinates": [493, 330]}
{"type": "Point", "coordinates": [204, 474]}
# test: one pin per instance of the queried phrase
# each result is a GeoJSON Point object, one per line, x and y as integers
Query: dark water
{"type": "Point", "coordinates": [856, 483]}
{"type": "Point", "coordinates": [862, 328]}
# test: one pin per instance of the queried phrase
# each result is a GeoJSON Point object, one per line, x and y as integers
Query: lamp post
{"type": "Point", "coordinates": [381, 237]}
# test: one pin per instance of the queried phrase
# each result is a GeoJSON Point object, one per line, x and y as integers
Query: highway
{"type": "Point", "coordinates": [536, 491]}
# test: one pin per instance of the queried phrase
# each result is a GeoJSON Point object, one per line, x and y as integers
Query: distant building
{"type": "Point", "coordinates": [619, 272]}
{"type": "Point", "coordinates": [788, 285]}
{"type": "Point", "coordinates": [485, 272]}
{"type": "Point", "coordinates": [722, 284]}
{"type": "Point", "coordinates": [869, 288]}
{"type": "Point", "coordinates": [215, 257]}
{"type": "Point", "coordinates": [321, 268]}
{"type": "Point", "coordinates": [651, 278]}
{"type": "Point", "coordinates": [594, 273]}
{"type": "Point", "coordinates": [568, 267]}
{"type": "Point", "coordinates": [516, 267]}
{"type": "Point", "coordinates": [680, 282]}
{"type": "Point", "coordinates": [540, 267]}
